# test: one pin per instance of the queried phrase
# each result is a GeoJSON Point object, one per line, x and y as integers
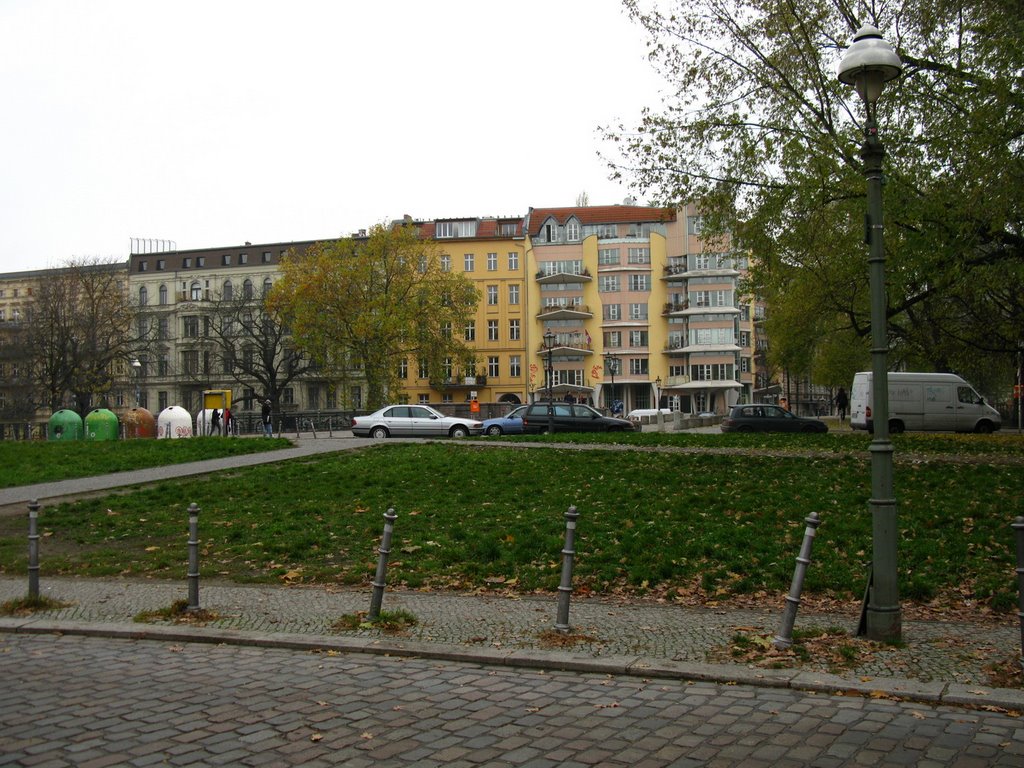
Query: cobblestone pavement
{"type": "Point", "coordinates": [92, 702]}
{"type": "Point", "coordinates": [938, 661]}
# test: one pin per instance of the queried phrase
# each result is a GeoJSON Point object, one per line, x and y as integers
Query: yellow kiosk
{"type": "Point", "coordinates": [215, 400]}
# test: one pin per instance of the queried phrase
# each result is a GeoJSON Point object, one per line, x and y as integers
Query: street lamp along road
{"type": "Point", "coordinates": [611, 362]}
{"type": "Point", "coordinates": [549, 345]}
{"type": "Point", "coordinates": [137, 365]}
{"type": "Point", "coordinates": [869, 63]}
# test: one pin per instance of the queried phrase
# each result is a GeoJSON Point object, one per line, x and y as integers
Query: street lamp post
{"type": "Point", "coordinates": [549, 345]}
{"type": "Point", "coordinates": [611, 362]}
{"type": "Point", "coordinates": [137, 365]}
{"type": "Point", "coordinates": [657, 403]}
{"type": "Point", "coordinates": [868, 64]}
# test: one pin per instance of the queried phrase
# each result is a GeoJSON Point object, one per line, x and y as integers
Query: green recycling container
{"type": "Point", "coordinates": [101, 424]}
{"type": "Point", "coordinates": [65, 425]}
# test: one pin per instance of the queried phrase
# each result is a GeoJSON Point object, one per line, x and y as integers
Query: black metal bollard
{"type": "Point", "coordinates": [784, 639]}
{"type": "Point", "coordinates": [380, 580]}
{"type": "Point", "coordinates": [1018, 527]}
{"type": "Point", "coordinates": [33, 549]}
{"type": "Point", "coordinates": [565, 588]}
{"type": "Point", "coordinates": [193, 557]}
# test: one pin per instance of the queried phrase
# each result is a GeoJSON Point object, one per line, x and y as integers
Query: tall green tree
{"type": "Point", "coordinates": [761, 135]}
{"type": "Point", "coordinates": [370, 303]}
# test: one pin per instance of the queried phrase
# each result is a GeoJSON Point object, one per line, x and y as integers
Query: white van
{"type": "Point", "coordinates": [925, 401]}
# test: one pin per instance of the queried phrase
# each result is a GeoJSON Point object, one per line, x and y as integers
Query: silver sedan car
{"type": "Point", "coordinates": [413, 421]}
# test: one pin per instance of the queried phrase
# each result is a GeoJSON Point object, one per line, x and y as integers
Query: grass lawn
{"type": "Point", "coordinates": [26, 463]}
{"type": "Point", "coordinates": [468, 517]}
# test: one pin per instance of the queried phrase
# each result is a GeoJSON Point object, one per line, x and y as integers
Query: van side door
{"type": "Point", "coordinates": [939, 406]}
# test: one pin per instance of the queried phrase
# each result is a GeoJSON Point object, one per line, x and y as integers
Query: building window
{"type": "Point", "coordinates": [161, 264]}
{"type": "Point", "coordinates": [444, 229]}
{"type": "Point", "coordinates": [492, 295]}
{"type": "Point", "coordinates": [611, 312]}
{"type": "Point", "coordinates": [694, 224]}
{"type": "Point", "coordinates": [143, 296]}
{"type": "Point", "coordinates": [225, 259]}
{"type": "Point", "coordinates": [247, 289]}
{"type": "Point", "coordinates": [638, 366]}
{"type": "Point", "coordinates": [513, 294]}
{"type": "Point", "coordinates": [613, 339]}
{"type": "Point", "coordinates": [424, 370]}
{"type": "Point", "coordinates": [446, 262]}
{"type": "Point", "coordinates": [639, 283]}
{"type": "Point", "coordinates": [288, 396]}
{"type": "Point", "coordinates": [467, 262]}
{"type": "Point", "coordinates": [191, 326]}
{"type": "Point", "coordinates": [163, 365]}
{"type": "Point", "coordinates": [186, 263]}
{"type": "Point", "coordinates": [190, 361]}
{"type": "Point", "coordinates": [493, 368]}
{"type": "Point", "coordinates": [266, 260]}
{"type": "Point", "coordinates": [637, 311]}
{"type": "Point", "coordinates": [608, 283]}
{"type": "Point", "coordinates": [446, 329]}
{"type": "Point", "coordinates": [513, 330]}
{"type": "Point", "coordinates": [513, 261]}
{"type": "Point", "coordinates": [195, 291]}
{"type": "Point", "coordinates": [492, 330]}
{"type": "Point", "coordinates": [550, 232]}
{"type": "Point", "coordinates": [267, 285]}
{"type": "Point", "coordinates": [228, 290]}
{"type": "Point", "coordinates": [608, 256]}
{"type": "Point", "coordinates": [200, 261]}
{"type": "Point", "coordinates": [163, 328]}
{"type": "Point", "coordinates": [638, 338]}
{"type": "Point", "coordinates": [639, 255]}
{"type": "Point", "coordinates": [312, 390]}
{"type": "Point", "coordinates": [403, 368]}
{"type": "Point", "coordinates": [161, 398]}
{"type": "Point", "coordinates": [471, 330]}
{"type": "Point", "coordinates": [514, 367]}
{"type": "Point", "coordinates": [492, 262]}
{"type": "Point", "coordinates": [572, 231]}
{"type": "Point", "coordinates": [143, 266]}
{"type": "Point", "coordinates": [243, 258]}
{"type": "Point", "coordinates": [163, 294]}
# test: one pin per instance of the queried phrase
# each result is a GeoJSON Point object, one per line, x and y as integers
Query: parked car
{"type": "Point", "coordinates": [509, 424]}
{"type": "Point", "coordinates": [638, 414]}
{"type": "Point", "coordinates": [570, 417]}
{"type": "Point", "coordinates": [413, 421]}
{"type": "Point", "coordinates": [760, 417]}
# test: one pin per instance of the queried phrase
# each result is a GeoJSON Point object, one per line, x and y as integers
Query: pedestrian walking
{"type": "Point", "coordinates": [842, 403]}
{"type": "Point", "coordinates": [215, 422]}
{"type": "Point", "coordinates": [268, 429]}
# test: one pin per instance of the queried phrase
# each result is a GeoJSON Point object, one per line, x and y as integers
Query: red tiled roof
{"type": "Point", "coordinates": [600, 214]}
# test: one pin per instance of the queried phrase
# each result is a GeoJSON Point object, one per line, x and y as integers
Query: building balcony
{"type": "Point", "coordinates": [567, 349]}
{"type": "Point", "coordinates": [687, 349]}
{"type": "Point", "coordinates": [568, 312]}
{"type": "Point", "coordinates": [557, 278]}
{"type": "Point", "coordinates": [459, 382]}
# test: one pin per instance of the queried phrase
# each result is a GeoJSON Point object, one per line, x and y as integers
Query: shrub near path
{"type": "Point", "coordinates": [679, 525]}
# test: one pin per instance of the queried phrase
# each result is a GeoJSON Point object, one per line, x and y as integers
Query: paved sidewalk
{"type": "Point", "coordinates": [940, 662]}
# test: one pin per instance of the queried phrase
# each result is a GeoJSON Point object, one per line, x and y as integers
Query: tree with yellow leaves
{"type": "Point", "coordinates": [361, 306]}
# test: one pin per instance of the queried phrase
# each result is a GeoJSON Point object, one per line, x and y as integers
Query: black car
{"type": "Point", "coordinates": [570, 417]}
{"type": "Point", "coordinates": [758, 417]}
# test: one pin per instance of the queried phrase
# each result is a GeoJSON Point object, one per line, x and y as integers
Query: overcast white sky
{"type": "Point", "coordinates": [211, 123]}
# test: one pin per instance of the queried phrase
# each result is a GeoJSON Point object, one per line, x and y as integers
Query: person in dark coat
{"type": "Point", "coordinates": [842, 403]}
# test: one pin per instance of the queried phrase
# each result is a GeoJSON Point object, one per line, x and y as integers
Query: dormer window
{"type": "Point", "coordinates": [572, 230]}
{"type": "Point", "coordinates": [550, 232]}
